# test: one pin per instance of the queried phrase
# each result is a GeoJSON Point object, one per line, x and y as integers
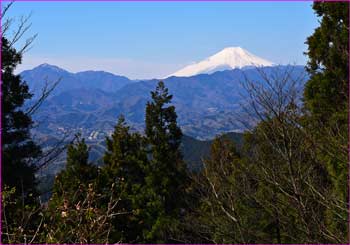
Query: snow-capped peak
{"type": "Point", "coordinates": [226, 59]}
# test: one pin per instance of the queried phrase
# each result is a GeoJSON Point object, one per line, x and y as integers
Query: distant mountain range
{"type": "Point", "coordinates": [91, 101]}
{"type": "Point", "coordinates": [101, 80]}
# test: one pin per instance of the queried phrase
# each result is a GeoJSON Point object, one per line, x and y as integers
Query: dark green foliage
{"type": "Point", "coordinates": [194, 151]}
{"type": "Point", "coordinates": [78, 172]}
{"type": "Point", "coordinates": [19, 152]}
{"type": "Point", "coordinates": [165, 173]}
{"type": "Point", "coordinates": [125, 155]}
{"type": "Point", "coordinates": [161, 126]}
{"type": "Point", "coordinates": [326, 92]}
{"type": "Point", "coordinates": [70, 183]}
{"type": "Point", "coordinates": [148, 173]}
{"type": "Point", "coordinates": [125, 160]}
{"type": "Point", "coordinates": [18, 149]}
{"type": "Point", "coordinates": [326, 98]}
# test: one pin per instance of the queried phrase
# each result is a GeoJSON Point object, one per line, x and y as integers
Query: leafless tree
{"type": "Point", "coordinates": [76, 221]}
{"type": "Point", "coordinates": [15, 34]}
{"type": "Point", "coordinates": [285, 155]}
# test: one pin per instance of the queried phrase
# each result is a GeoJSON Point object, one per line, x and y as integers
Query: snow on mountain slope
{"type": "Point", "coordinates": [228, 58]}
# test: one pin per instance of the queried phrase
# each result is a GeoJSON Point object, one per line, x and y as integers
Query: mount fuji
{"type": "Point", "coordinates": [227, 59]}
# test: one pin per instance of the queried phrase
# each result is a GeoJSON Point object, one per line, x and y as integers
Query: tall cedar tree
{"type": "Point", "coordinates": [124, 160]}
{"type": "Point", "coordinates": [18, 149]}
{"type": "Point", "coordinates": [19, 203]}
{"type": "Point", "coordinates": [165, 174]}
{"type": "Point", "coordinates": [326, 92]}
{"type": "Point", "coordinates": [326, 95]}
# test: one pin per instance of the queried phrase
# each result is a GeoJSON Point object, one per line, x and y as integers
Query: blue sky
{"type": "Point", "coordinates": [153, 39]}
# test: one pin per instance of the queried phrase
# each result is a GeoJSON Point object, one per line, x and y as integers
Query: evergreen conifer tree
{"type": "Point", "coordinates": [165, 174]}
{"type": "Point", "coordinates": [124, 160]}
{"type": "Point", "coordinates": [18, 149]}
{"type": "Point", "coordinates": [19, 152]}
{"type": "Point", "coordinates": [326, 98]}
{"type": "Point", "coordinates": [326, 92]}
{"type": "Point", "coordinates": [78, 172]}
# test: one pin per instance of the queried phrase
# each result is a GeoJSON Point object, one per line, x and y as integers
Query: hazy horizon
{"type": "Point", "coordinates": [155, 39]}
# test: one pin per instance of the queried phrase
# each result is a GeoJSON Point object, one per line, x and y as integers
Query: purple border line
{"type": "Point", "coordinates": [174, 1]}
{"type": "Point", "coordinates": [348, 204]}
{"type": "Point", "coordinates": [348, 177]}
{"type": "Point", "coordinates": [1, 124]}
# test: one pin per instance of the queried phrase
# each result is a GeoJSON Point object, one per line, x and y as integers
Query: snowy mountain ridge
{"type": "Point", "coordinates": [226, 59]}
